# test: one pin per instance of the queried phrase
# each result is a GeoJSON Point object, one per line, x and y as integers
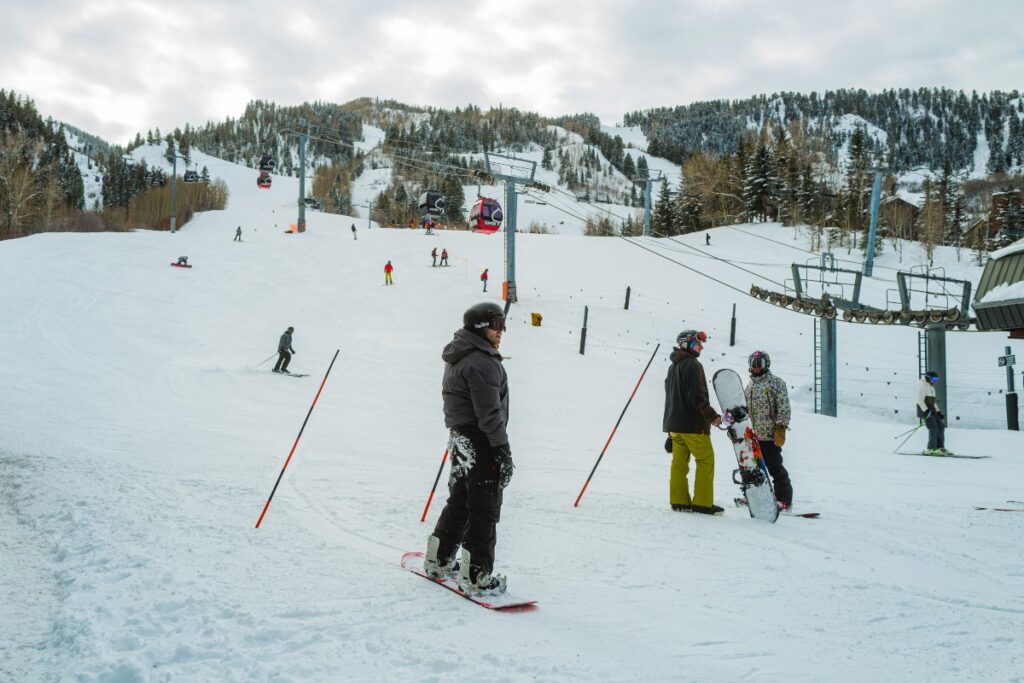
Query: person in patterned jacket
{"type": "Point", "coordinates": [768, 404]}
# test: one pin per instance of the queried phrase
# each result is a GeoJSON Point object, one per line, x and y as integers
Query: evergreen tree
{"type": "Point", "coordinates": [663, 214]}
{"type": "Point", "coordinates": [641, 168]}
{"type": "Point", "coordinates": [628, 167]}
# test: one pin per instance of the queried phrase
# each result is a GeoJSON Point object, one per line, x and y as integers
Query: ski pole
{"type": "Point", "coordinates": [294, 445]}
{"type": "Point", "coordinates": [912, 432]}
{"type": "Point", "coordinates": [587, 482]}
{"type": "Point", "coordinates": [436, 479]}
{"type": "Point", "coordinates": [271, 356]}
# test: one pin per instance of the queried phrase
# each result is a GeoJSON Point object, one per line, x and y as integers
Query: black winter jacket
{"type": "Point", "coordinates": [475, 387]}
{"type": "Point", "coordinates": [687, 409]}
{"type": "Point", "coordinates": [285, 344]}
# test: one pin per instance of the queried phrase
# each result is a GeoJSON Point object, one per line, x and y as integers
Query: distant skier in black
{"type": "Point", "coordinates": [474, 391]}
{"type": "Point", "coordinates": [284, 351]}
{"type": "Point", "coordinates": [929, 411]}
{"type": "Point", "coordinates": [183, 260]}
{"type": "Point", "coordinates": [354, 236]}
{"type": "Point", "coordinates": [707, 239]}
{"type": "Point", "coordinates": [238, 234]}
{"type": "Point", "coordinates": [768, 406]}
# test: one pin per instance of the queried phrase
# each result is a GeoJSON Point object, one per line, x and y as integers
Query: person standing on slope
{"type": "Point", "coordinates": [354, 236]}
{"type": "Point", "coordinates": [444, 257]}
{"type": "Point", "coordinates": [475, 395]}
{"type": "Point", "coordinates": [388, 269]}
{"type": "Point", "coordinates": [688, 420]}
{"type": "Point", "coordinates": [931, 413]}
{"type": "Point", "coordinates": [433, 256]}
{"type": "Point", "coordinates": [284, 351]}
{"type": "Point", "coordinates": [483, 278]}
{"type": "Point", "coordinates": [768, 406]}
{"type": "Point", "coordinates": [238, 234]}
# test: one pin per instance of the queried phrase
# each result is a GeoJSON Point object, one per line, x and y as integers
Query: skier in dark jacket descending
{"type": "Point", "coordinates": [688, 420]}
{"type": "Point", "coordinates": [284, 351]}
{"type": "Point", "coordinates": [475, 395]}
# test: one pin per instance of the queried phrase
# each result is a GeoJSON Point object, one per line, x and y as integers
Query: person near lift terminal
{"type": "Point", "coordinates": [474, 391]}
{"type": "Point", "coordinates": [929, 411]}
{"type": "Point", "coordinates": [768, 406]}
{"type": "Point", "coordinates": [688, 420]}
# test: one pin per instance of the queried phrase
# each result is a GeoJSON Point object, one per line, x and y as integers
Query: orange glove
{"type": "Point", "coordinates": [780, 435]}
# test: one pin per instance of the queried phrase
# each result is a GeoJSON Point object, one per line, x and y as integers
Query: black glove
{"type": "Point", "coordinates": [668, 444]}
{"type": "Point", "coordinates": [503, 455]}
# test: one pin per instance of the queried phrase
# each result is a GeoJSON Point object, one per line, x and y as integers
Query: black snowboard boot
{"type": "Point", "coordinates": [709, 510]}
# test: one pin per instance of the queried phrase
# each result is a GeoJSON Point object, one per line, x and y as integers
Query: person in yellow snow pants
{"type": "Point", "coordinates": [699, 447]}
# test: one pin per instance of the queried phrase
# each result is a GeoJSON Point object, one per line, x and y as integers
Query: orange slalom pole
{"type": "Point", "coordinates": [436, 479]}
{"type": "Point", "coordinates": [587, 482]}
{"type": "Point", "coordinates": [294, 445]}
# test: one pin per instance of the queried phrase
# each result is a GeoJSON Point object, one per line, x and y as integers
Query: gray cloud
{"type": "Point", "coordinates": [116, 67]}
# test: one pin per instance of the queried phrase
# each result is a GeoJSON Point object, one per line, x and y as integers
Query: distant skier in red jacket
{"type": "Point", "coordinates": [483, 278]}
{"type": "Point", "coordinates": [387, 273]}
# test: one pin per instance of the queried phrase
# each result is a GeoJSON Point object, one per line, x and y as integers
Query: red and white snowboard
{"type": "Point", "coordinates": [181, 265]}
{"type": "Point", "coordinates": [413, 562]}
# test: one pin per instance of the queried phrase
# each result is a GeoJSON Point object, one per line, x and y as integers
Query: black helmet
{"type": "Point", "coordinates": [482, 316]}
{"type": "Point", "coordinates": [758, 362]}
{"type": "Point", "coordinates": [688, 338]}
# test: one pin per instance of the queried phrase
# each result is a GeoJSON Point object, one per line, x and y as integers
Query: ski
{"type": "Point", "coordinates": [948, 455]}
{"type": "Point", "coordinates": [1000, 509]}
{"type": "Point", "coordinates": [742, 502]}
{"type": "Point", "coordinates": [503, 602]}
{"type": "Point", "coordinates": [754, 482]}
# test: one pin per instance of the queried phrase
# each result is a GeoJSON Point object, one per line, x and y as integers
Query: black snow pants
{"type": "Point", "coordinates": [772, 455]}
{"type": "Point", "coordinates": [283, 358]}
{"type": "Point", "coordinates": [471, 515]}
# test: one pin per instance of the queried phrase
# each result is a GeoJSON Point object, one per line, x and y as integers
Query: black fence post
{"type": "Point", "coordinates": [583, 332]}
{"type": "Point", "coordinates": [732, 328]}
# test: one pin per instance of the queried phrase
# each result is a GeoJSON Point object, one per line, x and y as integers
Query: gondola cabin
{"type": "Point", "coordinates": [432, 203]}
{"type": "Point", "coordinates": [263, 182]}
{"type": "Point", "coordinates": [485, 216]}
{"type": "Point", "coordinates": [267, 163]}
{"type": "Point", "coordinates": [191, 177]}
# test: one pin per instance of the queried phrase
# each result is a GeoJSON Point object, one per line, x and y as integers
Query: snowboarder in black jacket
{"type": "Point", "coordinates": [284, 351]}
{"type": "Point", "coordinates": [475, 395]}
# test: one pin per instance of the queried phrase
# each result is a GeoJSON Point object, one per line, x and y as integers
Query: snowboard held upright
{"type": "Point", "coordinates": [753, 478]}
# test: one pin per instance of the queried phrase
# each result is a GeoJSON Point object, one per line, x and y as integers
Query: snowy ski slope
{"type": "Point", "coordinates": [139, 441]}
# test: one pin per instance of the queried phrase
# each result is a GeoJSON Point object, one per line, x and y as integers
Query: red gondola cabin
{"type": "Point", "coordinates": [485, 216]}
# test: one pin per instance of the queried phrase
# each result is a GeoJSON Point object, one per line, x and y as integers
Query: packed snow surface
{"type": "Point", "coordinates": [142, 431]}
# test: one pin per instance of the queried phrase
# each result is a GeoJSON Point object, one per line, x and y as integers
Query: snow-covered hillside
{"type": "Point", "coordinates": [141, 436]}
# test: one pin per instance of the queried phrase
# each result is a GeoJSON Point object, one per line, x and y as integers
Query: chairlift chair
{"type": "Point", "coordinates": [263, 182]}
{"type": "Point", "coordinates": [267, 163]}
{"type": "Point", "coordinates": [191, 177]}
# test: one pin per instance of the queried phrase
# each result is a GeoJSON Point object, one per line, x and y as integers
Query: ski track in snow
{"type": "Point", "coordinates": [140, 441]}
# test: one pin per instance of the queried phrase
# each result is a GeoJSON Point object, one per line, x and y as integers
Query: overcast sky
{"type": "Point", "coordinates": [116, 67]}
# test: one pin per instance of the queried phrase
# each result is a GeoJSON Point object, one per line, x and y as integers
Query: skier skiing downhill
{"type": "Point", "coordinates": [388, 269]}
{"type": "Point", "coordinates": [475, 395]}
{"type": "Point", "coordinates": [284, 351]}
{"type": "Point", "coordinates": [688, 420]}
{"type": "Point", "coordinates": [931, 413]}
{"type": "Point", "coordinates": [768, 407]}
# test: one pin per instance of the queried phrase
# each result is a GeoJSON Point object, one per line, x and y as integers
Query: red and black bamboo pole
{"type": "Point", "coordinates": [436, 479]}
{"type": "Point", "coordinates": [610, 436]}
{"type": "Point", "coordinates": [294, 445]}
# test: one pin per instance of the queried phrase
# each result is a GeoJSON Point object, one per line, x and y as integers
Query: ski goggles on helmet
{"type": "Point", "coordinates": [496, 324]}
